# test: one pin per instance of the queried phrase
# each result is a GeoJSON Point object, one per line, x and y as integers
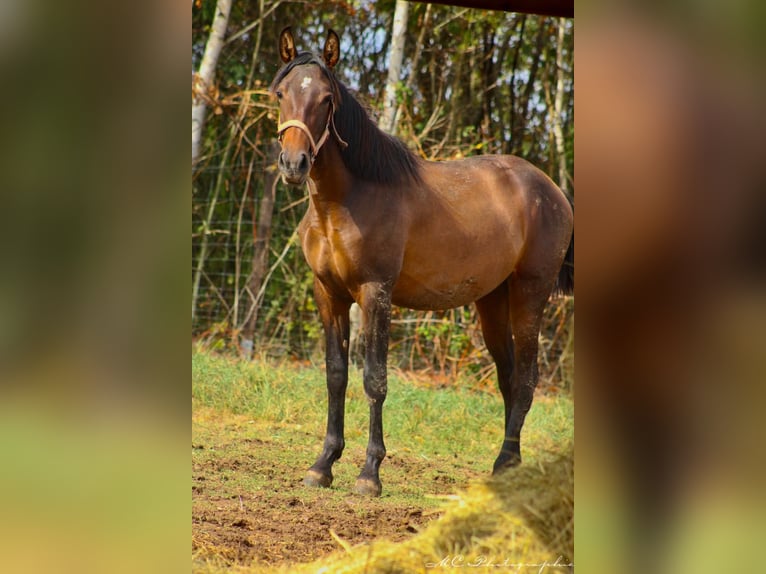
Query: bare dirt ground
{"type": "Point", "coordinates": [249, 505]}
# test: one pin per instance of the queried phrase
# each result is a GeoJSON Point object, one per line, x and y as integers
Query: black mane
{"type": "Point", "coordinates": [371, 155]}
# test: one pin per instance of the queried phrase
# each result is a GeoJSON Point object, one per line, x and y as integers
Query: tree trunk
{"type": "Point", "coordinates": [558, 103]}
{"type": "Point", "coordinates": [203, 80]}
{"type": "Point", "coordinates": [456, 98]}
{"type": "Point", "coordinates": [510, 147]}
{"type": "Point", "coordinates": [261, 243]}
{"type": "Point", "coordinates": [520, 123]}
{"type": "Point", "coordinates": [489, 81]}
{"type": "Point", "coordinates": [424, 24]}
{"type": "Point", "coordinates": [388, 119]}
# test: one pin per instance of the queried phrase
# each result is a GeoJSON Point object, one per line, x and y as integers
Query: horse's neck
{"type": "Point", "coordinates": [331, 181]}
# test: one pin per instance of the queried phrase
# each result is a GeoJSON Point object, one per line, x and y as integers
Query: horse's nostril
{"type": "Point", "coordinates": [281, 160]}
{"type": "Point", "coordinates": [304, 165]}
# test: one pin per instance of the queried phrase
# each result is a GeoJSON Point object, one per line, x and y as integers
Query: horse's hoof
{"type": "Point", "coordinates": [314, 478]}
{"type": "Point", "coordinates": [503, 465]}
{"type": "Point", "coordinates": [367, 487]}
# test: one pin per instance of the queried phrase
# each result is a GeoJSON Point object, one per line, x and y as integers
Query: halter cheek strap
{"type": "Point", "coordinates": [315, 146]}
{"type": "Point", "coordinates": [283, 127]}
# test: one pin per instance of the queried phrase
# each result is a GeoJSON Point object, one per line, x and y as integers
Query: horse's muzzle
{"type": "Point", "coordinates": [294, 166]}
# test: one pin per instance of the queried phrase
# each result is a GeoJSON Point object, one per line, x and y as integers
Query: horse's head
{"type": "Point", "coordinates": [307, 98]}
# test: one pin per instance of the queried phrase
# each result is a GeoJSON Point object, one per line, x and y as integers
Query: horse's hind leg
{"type": "Point", "coordinates": [494, 312]}
{"type": "Point", "coordinates": [528, 297]}
{"type": "Point", "coordinates": [334, 314]}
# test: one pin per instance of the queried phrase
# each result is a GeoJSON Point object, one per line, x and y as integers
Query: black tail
{"type": "Point", "coordinates": [565, 283]}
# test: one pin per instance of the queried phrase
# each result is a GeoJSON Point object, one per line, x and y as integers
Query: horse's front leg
{"type": "Point", "coordinates": [375, 302]}
{"type": "Point", "coordinates": [334, 314]}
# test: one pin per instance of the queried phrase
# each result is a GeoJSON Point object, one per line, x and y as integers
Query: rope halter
{"type": "Point", "coordinates": [315, 146]}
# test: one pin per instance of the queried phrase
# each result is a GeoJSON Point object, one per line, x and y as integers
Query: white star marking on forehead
{"type": "Point", "coordinates": [305, 83]}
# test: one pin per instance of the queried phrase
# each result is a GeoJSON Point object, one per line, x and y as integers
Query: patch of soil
{"type": "Point", "coordinates": [276, 520]}
{"type": "Point", "coordinates": [288, 530]}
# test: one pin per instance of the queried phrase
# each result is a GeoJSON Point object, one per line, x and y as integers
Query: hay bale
{"type": "Point", "coordinates": [515, 522]}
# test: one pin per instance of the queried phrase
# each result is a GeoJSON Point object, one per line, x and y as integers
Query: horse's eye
{"type": "Point", "coordinates": [327, 100]}
{"type": "Point", "coordinates": [279, 95]}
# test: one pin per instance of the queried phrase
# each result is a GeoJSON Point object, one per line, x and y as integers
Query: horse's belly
{"type": "Point", "coordinates": [456, 271]}
{"type": "Point", "coordinates": [436, 295]}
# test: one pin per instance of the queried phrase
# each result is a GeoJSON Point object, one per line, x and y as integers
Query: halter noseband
{"type": "Point", "coordinates": [315, 146]}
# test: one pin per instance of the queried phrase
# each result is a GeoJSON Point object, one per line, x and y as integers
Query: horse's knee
{"type": "Point", "coordinates": [376, 392]}
{"type": "Point", "coordinates": [376, 384]}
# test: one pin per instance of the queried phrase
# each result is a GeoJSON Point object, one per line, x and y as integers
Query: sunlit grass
{"type": "Point", "coordinates": [420, 421]}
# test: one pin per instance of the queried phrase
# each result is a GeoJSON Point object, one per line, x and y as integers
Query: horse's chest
{"type": "Point", "coordinates": [333, 253]}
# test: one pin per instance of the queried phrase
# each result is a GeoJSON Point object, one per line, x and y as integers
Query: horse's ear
{"type": "Point", "coordinates": [331, 49]}
{"type": "Point", "coordinates": [286, 45]}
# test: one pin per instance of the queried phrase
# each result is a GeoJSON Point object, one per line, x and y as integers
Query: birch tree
{"type": "Point", "coordinates": [399, 31]}
{"type": "Point", "coordinates": [203, 79]}
{"type": "Point", "coordinates": [558, 106]}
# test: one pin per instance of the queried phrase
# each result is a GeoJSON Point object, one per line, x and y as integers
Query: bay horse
{"type": "Point", "coordinates": [385, 227]}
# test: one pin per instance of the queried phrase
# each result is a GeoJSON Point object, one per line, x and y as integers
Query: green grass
{"type": "Point", "coordinates": [427, 423]}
